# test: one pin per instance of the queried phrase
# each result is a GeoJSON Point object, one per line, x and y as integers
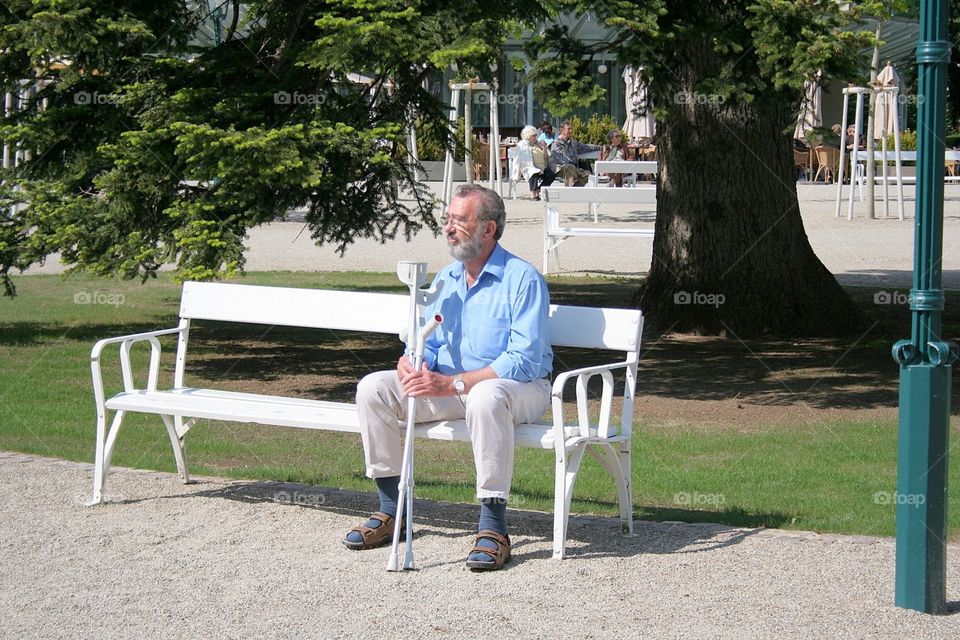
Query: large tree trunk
{"type": "Point", "coordinates": [730, 255]}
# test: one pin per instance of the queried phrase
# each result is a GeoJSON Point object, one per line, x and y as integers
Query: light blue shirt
{"type": "Point", "coordinates": [500, 322]}
{"type": "Point", "coordinates": [543, 137]}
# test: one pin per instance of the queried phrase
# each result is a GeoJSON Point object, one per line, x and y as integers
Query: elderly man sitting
{"type": "Point", "coordinates": [564, 157]}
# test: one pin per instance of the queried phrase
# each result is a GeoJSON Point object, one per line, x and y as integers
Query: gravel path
{"type": "Point", "coordinates": [232, 559]}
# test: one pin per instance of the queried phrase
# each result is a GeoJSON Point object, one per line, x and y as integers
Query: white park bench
{"type": "Point", "coordinates": [554, 233]}
{"type": "Point", "coordinates": [631, 168]}
{"type": "Point", "coordinates": [908, 174]}
{"type": "Point", "coordinates": [180, 406]}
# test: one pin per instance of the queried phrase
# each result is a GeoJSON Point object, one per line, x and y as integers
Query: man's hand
{"type": "Point", "coordinates": [404, 367]}
{"type": "Point", "coordinates": [423, 382]}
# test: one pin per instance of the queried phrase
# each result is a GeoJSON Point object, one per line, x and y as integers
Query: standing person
{"type": "Point", "coordinates": [564, 157]}
{"type": "Point", "coordinates": [615, 149]}
{"type": "Point", "coordinates": [546, 133]}
{"type": "Point", "coordinates": [488, 362]}
{"type": "Point", "coordinates": [533, 162]}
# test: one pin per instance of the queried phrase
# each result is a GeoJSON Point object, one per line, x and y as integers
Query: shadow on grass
{"type": "Point", "coordinates": [839, 373]}
{"type": "Point", "coordinates": [35, 333]}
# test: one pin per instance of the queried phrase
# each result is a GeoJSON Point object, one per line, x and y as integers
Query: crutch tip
{"type": "Point", "coordinates": [392, 564]}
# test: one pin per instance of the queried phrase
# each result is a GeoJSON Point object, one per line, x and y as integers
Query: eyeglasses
{"type": "Point", "coordinates": [456, 221]}
{"type": "Point", "coordinates": [461, 223]}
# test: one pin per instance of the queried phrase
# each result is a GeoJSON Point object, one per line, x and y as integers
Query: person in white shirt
{"type": "Point", "coordinates": [533, 162]}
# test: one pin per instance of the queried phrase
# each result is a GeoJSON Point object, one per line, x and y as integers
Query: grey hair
{"type": "Point", "coordinates": [528, 131]}
{"type": "Point", "coordinates": [489, 205]}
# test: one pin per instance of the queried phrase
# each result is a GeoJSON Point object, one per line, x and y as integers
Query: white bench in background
{"type": "Point", "coordinates": [632, 168]}
{"type": "Point", "coordinates": [180, 406]}
{"type": "Point", "coordinates": [950, 155]}
{"type": "Point", "coordinates": [554, 233]}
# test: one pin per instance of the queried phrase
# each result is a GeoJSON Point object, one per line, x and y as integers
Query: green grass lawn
{"type": "Point", "coordinates": [834, 475]}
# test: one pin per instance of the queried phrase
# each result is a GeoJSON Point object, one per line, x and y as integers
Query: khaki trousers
{"type": "Point", "coordinates": [572, 176]}
{"type": "Point", "coordinates": [493, 409]}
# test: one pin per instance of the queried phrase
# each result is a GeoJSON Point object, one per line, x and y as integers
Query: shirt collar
{"type": "Point", "coordinates": [495, 265]}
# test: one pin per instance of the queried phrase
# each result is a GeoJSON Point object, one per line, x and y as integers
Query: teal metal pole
{"type": "Point", "coordinates": [926, 359]}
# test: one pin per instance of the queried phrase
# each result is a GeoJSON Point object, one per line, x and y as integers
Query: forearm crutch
{"type": "Point", "coordinates": [405, 501]}
{"type": "Point", "coordinates": [413, 274]}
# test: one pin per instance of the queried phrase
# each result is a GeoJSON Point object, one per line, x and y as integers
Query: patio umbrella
{"type": "Point", "coordinates": [639, 122]}
{"type": "Point", "coordinates": [887, 105]}
{"type": "Point", "coordinates": [811, 108]}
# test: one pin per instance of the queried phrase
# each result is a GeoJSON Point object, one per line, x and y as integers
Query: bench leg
{"type": "Point", "coordinates": [547, 248]}
{"type": "Point", "coordinates": [567, 467]}
{"type": "Point", "coordinates": [617, 463]}
{"type": "Point", "coordinates": [101, 460]}
{"type": "Point", "coordinates": [177, 441]}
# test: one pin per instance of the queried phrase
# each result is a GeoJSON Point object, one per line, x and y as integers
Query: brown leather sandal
{"type": "Point", "coordinates": [498, 557]}
{"type": "Point", "coordinates": [374, 537]}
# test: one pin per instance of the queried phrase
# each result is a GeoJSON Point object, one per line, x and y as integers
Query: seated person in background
{"type": "Point", "coordinates": [615, 149]}
{"type": "Point", "coordinates": [546, 133]}
{"type": "Point", "coordinates": [532, 162]}
{"type": "Point", "coordinates": [851, 134]}
{"type": "Point", "coordinates": [833, 139]}
{"type": "Point", "coordinates": [564, 157]}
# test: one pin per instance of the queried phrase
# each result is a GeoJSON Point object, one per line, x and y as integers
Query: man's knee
{"type": "Point", "coordinates": [487, 397]}
{"type": "Point", "coordinates": [373, 388]}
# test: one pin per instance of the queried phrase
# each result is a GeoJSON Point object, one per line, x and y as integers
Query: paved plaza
{"type": "Point", "coordinates": [862, 251]}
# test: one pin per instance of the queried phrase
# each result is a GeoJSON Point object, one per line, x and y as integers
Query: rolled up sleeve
{"type": "Point", "coordinates": [528, 341]}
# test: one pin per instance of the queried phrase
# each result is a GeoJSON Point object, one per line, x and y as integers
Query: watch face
{"type": "Point", "coordinates": [459, 385]}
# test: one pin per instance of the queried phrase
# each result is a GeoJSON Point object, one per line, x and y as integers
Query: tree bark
{"type": "Point", "coordinates": [730, 254]}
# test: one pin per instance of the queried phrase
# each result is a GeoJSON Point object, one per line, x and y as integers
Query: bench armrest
{"type": "Point", "coordinates": [583, 376]}
{"type": "Point", "coordinates": [126, 342]}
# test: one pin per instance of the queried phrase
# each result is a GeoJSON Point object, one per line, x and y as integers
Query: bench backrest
{"type": "Point", "coordinates": [288, 307]}
{"type": "Point", "coordinates": [951, 155]}
{"type": "Point", "coordinates": [637, 195]}
{"type": "Point", "coordinates": [570, 326]}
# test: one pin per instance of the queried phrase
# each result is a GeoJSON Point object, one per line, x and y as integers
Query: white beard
{"type": "Point", "coordinates": [468, 249]}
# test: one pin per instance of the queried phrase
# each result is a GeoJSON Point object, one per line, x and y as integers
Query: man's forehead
{"type": "Point", "coordinates": [462, 206]}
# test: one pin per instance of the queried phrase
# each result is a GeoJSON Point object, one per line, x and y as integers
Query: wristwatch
{"type": "Point", "coordinates": [459, 386]}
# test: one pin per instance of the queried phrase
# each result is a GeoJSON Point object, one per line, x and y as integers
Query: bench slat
{"type": "Point", "coordinates": [626, 232]}
{"type": "Point", "coordinates": [629, 195]}
{"type": "Point", "coordinates": [301, 413]}
{"type": "Point", "coordinates": [311, 308]}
